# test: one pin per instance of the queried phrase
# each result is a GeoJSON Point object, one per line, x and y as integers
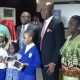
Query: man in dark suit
{"type": "Point", "coordinates": [26, 25]}
{"type": "Point", "coordinates": [52, 38]}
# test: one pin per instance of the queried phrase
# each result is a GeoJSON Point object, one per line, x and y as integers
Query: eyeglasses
{"type": "Point", "coordinates": [25, 16]}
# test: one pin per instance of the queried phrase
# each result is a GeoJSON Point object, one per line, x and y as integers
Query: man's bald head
{"type": "Point", "coordinates": [47, 10]}
{"type": "Point", "coordinates": [25, 17]}
{"type": "Point", "coordinates": [49, 5]}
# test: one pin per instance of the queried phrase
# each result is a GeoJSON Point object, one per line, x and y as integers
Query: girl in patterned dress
{"type": "Point", "coordinates": [12, 72]}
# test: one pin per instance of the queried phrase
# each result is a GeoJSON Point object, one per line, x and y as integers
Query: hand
{"type": "Point", "coordinates": [51, 68]}
{"type": "Point", "coordinates": [7, 45]}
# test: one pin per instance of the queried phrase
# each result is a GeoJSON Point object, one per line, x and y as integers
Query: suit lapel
{"type": "Point", "coordinates": [50, 24]}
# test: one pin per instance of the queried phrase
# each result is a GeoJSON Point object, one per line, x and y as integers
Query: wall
{"type": "Point", "coordinates": [67, 10]}
{"type": "Point", "coordinates": [20, 5]}
{"type": "Point", "coordinates": [41, 2]}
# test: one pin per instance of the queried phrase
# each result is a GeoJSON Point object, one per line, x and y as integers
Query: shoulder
{"type": "Point", "coordinates": [19, 27]}
{"type": "Point", "coordinates": [58, 24]}
{"type": "Point", "coordinates": [32, 26]}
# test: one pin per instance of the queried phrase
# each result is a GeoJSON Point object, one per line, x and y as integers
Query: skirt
{"type": "Point", "coordinates": [2, 74]}
{"type": "Point", "coordinates": [23, 76]}
{"type": "Point", "coordinates": [70, 78]}
{"type": "Point", "coordinates": [12, 74]}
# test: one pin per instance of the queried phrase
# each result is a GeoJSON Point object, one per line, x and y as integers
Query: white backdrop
{"type": "Point", "coordinates": [67, 10]}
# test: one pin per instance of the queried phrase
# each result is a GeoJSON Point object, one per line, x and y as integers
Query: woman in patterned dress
{"type": "Point", "coordinates": [70, 52]}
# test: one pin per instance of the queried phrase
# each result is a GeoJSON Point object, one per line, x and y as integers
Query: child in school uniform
{"type": "Point", "coordinates": [3, 55]}
{"type": "Point", "coordinates": [30, 55]}
{"type": "Point", "coordinates": [12, 72]}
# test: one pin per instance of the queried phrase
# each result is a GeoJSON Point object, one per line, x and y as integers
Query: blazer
{"type": "Point", "coordinates": [36, 30]}
{"type": "Point", "coordinates": [53, 39]}
{"type": "Point", "coordinates": [32, 58]}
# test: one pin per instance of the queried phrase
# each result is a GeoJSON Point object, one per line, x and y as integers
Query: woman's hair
{"type": "Point", "coordinates": [76, 17]}
{"type": "Point", "coordinates": [16, 46]}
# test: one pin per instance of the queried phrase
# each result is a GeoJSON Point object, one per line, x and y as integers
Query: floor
{"type": "Point", "coordinates": [39, 74]}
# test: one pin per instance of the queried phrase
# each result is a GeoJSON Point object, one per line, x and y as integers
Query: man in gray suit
{"type": "Point", "coordinates": [26, 25]}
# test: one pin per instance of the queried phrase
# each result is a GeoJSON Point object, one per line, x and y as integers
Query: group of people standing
{"type": "Point", "coordinates": [46, 48]}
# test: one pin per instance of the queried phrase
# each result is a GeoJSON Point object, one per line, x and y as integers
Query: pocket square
{"type": "Point", "coordinates": [49, 30]}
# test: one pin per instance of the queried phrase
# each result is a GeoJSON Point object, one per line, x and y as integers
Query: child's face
{"type": "Point", "coordinates": [11, 49]}
{"type": "Point", "coordinates": [27, 38]}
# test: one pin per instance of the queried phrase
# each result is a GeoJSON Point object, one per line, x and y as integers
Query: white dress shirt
{"type": "Point", "coordinates": [24, 27]}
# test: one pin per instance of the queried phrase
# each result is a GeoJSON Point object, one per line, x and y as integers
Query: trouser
{"type": "Point", "coordinates": [54, 76]}
{"type": "Point", "coordinates": [69, 78]}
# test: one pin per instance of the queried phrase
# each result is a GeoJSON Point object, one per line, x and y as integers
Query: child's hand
{"type": "Point", "coordinates": [25, 64]}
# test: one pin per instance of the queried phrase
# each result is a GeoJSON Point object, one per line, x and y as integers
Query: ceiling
{"type": "Point", "coordinates": [65, 0]}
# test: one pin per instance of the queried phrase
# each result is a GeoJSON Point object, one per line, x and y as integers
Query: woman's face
{"type": "Point", "coordinates": [73, 26]}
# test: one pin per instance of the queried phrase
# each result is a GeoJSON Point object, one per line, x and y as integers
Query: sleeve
{"type": "Point", "coordinates": [59, 41]}
{"type": "Point", "coordinates": [37, 61]}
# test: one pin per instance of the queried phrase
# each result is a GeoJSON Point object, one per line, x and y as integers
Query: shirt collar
{"type": "Point", "coordinates": [28, 47]}
{"type": "Point", "coordinates": [25, 26]}
{"type": "Point", "coordinates": [49, 19]}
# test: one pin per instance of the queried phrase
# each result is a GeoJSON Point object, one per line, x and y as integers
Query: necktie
{"type": "Point", "coordinates": [21, 37]}
{"type": "Point", "coordinates": [43, 30]}
{"type": "Point", "coordinates": [42, 33]}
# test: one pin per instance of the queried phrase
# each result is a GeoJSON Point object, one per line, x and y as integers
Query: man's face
{"type": "Point", "coordinates": [25, 18]}
{"type": "Point", "coordinates": [46, 11]}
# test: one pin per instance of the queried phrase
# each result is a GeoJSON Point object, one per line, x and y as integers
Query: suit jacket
{"type": "Point", "coordinates": [30, 27]}
{"type": "Point", "coordinates": [53, 39]}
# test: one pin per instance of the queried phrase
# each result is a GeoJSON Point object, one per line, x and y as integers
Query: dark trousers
{"type": "Point", "coordinates": [54, 76]}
